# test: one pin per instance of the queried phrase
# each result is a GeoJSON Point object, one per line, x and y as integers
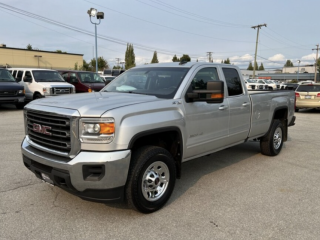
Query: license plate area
{"type": "Point", "coordinates": [46, 178]}
{"type": "Point", "coordinates": [308, 97]}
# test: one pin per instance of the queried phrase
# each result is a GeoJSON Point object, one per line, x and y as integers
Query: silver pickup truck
{"type": "Point", "coordinates": [129, 140]}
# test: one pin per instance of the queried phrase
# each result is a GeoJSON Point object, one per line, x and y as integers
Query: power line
{"type": "Point", "coordinates": [175, 29]}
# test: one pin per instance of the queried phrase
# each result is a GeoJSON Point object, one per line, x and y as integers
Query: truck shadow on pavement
{"type": "Point", "coordinates": [194, 170]}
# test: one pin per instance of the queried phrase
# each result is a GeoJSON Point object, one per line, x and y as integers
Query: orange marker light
{"type": "Point", "coordinates": [89, 90]}
{"type": "Point", "coordinates": [216, 95]}
{"type": "Point", "coordinates": [106, 128]}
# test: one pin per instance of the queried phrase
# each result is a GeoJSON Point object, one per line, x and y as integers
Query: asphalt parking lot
{"type": "Point", "coordinates": [233, 194]}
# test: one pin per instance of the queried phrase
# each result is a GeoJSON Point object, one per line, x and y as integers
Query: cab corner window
{"type": "Point", "coordinates": [233, 81]}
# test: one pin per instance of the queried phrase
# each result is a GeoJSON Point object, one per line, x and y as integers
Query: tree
{"type": "Point", "coordinates": [102, 64]}
{"type": "Point", "coordinates": [250, 67]}
{"type": "Point", "coordinates": [227, 61]}
{"type": "Point", "coordinates": [155, 58]}
{"type": "Point", "coordinates": [116, 67]}
{"type": "Point", "coordinates": [261, 68]}
{"type": "Point", "coordinates": [288, 63]}
{"type": "Point", "coordinates": [29, 47]}
{"type": "Point", "coordinates": [76, 66]}
{"type": "Point", "coordinates": [130, 58]}
{"type": "Point", "coordinates": [256, 66]}
{"type": "Point", "coordinates": [185, 58]}
{"type": "Point", "coordinates": [85, 66]}
{"type": "Point", "coordinates": [175, 59]}
{"type": "Point", "coordinates": [59, 51]}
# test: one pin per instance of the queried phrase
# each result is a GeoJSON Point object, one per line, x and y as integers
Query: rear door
{"type": "Point", "coordinates": [239, 106]}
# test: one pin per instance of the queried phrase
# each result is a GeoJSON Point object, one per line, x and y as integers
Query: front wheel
{"type": "Point", "coordinates": [151, 179]}
{"type": "Point", "coordinates": [271, 144]}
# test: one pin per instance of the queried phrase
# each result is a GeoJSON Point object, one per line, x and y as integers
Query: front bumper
{"type": "Point", "coordinates": [15, 99]}
{"type": "Point", "coordinates": [95, 176]}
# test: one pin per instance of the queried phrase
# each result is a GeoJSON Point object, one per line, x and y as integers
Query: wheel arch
{"type": "Point", "coordinates": [169, 138]}
{"type": "Point", "coordinates": [280, 113]}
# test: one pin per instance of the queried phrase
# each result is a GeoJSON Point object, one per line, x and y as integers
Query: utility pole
{"type": "Point", "coordinates": [209, 54]}
{"type": "Point", "coordinates": [315, 64]}
{"type": "Point", "coordinates": [118, 59]}
{"type": "Point", "coordinates": [255, 55]}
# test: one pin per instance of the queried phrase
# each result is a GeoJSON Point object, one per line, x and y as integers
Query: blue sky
{"type": "Point", "coordinates": [170, 27]}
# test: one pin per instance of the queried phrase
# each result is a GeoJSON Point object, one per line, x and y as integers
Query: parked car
{"type": "Point", "coordinates": [107, 79]}
{"type": "Point", "coordinates": [130, 139]}
{"type": "Point", "coordinates": [83, 81]}
{"type": "Point", "coordinates": [307, 96]}
{"type": "Point", "coordinates": [289, 86]}
{"type": "Point", "coordinates": [252, 84]}
{"type": "Point", "coordinates": [271, 85]}
{"type": "Point", "coordinates": [39, 83]}
{"type": "Point", "coordinates": [10, 91]}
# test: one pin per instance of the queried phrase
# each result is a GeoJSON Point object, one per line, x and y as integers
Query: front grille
{"type": "Point", "coordinates": [253, 87]}
{"type": "Point", "coordinates": [49, 131]}
{"type": "Point", "coordinates": [4, 93]}
{"type": "Point", "coordinates": [58, 91]}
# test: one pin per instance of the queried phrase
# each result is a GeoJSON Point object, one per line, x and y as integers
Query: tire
{"type": "Point", "coordinates": [37, 96]}
{"type": "Point", "coordinates": [271, 144]}
{"type": "Point", "coordinates": [296, 109]}
{"type": "Point", "coordinates": [20, 105]}
{"type": "Point", "coordinates": [155, 166]}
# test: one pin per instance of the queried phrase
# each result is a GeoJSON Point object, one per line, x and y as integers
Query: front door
{"type": "Point", "coordinates": [206, 123]}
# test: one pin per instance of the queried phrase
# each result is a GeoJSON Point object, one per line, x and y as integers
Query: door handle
{"type": "Point", "coordinates": [245, 104]}
{"type": "Point", "coordinates": [223, 107]}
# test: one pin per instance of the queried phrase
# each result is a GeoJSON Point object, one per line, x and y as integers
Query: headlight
{"type": "Point", "coordinates": [46, 91]}
{"type": "Point", "coordinates": [21, 92]}
{"type": "Point", "coordinates": [97, 130]}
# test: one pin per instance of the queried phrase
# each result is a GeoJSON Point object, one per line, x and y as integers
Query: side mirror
{"type": "Point", "coordinates": [214, 93]}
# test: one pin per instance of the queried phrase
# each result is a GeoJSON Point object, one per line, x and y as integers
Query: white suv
{"type": "Point", "coordinates": [39, 83]}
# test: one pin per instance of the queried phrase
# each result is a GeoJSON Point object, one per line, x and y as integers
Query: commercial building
{"type": "Point", "coordinates": [18, 57]}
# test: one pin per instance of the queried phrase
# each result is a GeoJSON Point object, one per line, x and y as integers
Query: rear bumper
{"type": "Point", "coordinates": [307, 104]}
{"type": "Point", "coordinates": [94, 176]}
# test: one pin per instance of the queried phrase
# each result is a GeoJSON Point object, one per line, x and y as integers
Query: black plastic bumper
{"type": "Point", "coordinates": [61, 178]}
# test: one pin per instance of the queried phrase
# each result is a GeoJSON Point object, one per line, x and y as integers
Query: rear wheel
{"type": "Point", "coordinates": [271, 144]}
{"type": "Point", "coordinates": [151, 179]}
{"type": "Point", "coordinates": [296, 109]}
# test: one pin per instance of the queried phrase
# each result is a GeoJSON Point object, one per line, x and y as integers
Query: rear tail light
{"type": "Point", "coordinates": [297, 95]}
{"type": "Point", "coordinates": [318, 95]}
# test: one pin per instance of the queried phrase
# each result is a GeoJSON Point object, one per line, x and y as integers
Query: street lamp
{"type": "Point", "coordinates": [298, 70]}
{"type": "Point", "coordinates": [100, 15]}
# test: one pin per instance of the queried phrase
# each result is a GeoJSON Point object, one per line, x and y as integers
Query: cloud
{"type": "Point", "coordinates": [246, 57]}
{"type": "Point", "coordinates": [310, 57]}
{"type": "Point", "coordinates": [277, 57]}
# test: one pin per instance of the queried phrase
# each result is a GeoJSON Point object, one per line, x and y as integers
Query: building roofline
{"type": "Point", "coordinates": [33, 50]}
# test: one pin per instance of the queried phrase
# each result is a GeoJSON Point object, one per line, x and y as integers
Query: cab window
{"type": "Point", "coordinates": [233, 81]}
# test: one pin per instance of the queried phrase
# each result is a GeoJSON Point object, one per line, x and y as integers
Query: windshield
{"type": "Point", "coordinates": [159, 82]}
{"type": "Point", "coordinates": [308, 88]}
{"type": "Point", "coordinates": [90, 77]}
{"type": "Point", "coordinates": [47, 76]}
{"type": "Point", "coordinates": [251, 81]}
{"type": "Point", "coordinates": [5, 76]}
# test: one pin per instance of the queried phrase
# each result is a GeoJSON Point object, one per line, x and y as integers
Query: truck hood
{"type": "Point", "coordinates": [10, 86]}
{"type": "Point", "coordinates": [93, 104]}
{"type": "Point", "coordinates": [55, 84]}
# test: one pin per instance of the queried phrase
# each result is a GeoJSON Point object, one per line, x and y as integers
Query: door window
{"type": "Point", "coordinates": [19, 76]}
{"type": "Point", "coordinates": [65, 76]}
{"type": "Point", "coordinates": [233, 81]}
{"type": "Point", "coordinates": [199, 82]}
{"type": "Point", "coordinates": [28, 77]}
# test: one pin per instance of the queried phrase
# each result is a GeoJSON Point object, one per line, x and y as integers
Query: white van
{"type": "Point", "coordinates": [39, 83]}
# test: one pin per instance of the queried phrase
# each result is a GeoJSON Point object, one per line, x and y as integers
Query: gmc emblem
{"type": "Point", "coordinates": [41, 129]}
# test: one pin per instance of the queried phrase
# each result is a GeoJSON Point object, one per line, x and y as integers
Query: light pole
{"type": "Point", "coordinates": [100, 15]}
{"type": "Point", "coordinates": [298, 70]}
